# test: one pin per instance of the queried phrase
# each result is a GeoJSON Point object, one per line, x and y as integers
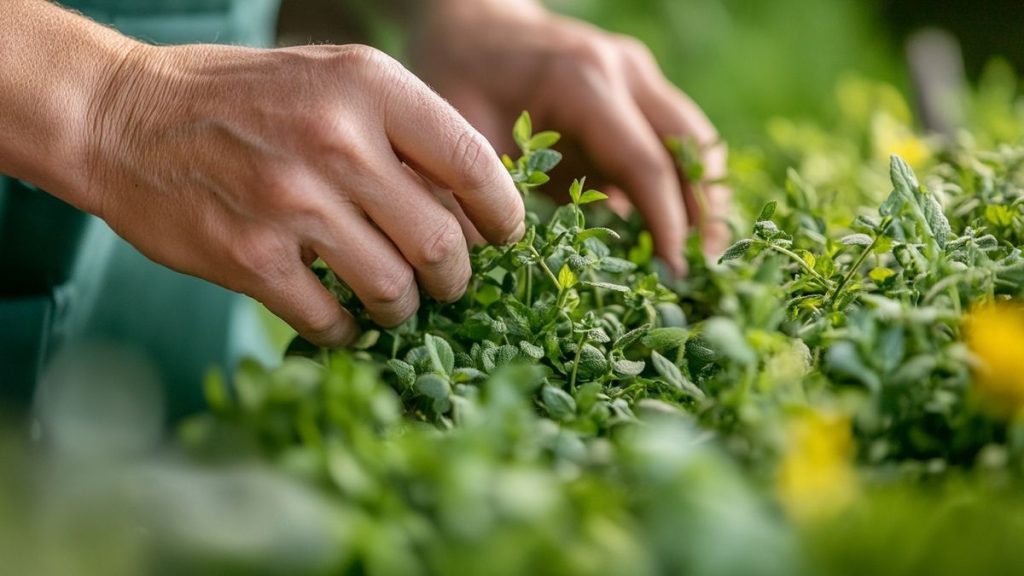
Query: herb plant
{"type": "Point", "coordinates": [577, 413]}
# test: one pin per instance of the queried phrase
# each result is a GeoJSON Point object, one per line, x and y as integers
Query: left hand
{"type": "Point", "coordinates": [604, 92]}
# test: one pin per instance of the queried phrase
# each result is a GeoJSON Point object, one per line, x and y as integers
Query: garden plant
{"type": "Point", "coordinates": [840, 391]}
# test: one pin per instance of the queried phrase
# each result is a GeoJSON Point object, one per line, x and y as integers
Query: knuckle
{"type": "Point", "coordinates": [385, 77]}
{"type": "Point", "coordinates": [320, 323]}
{"type": "Point", "coordinates": [635, 49]}
{"type": "Point", "coordinates": [444, 244]}
{"type": "Point", "coordinates": [362, 57]}
{"type": "Point", "coordinates": [333, 142]}
{"type": "Point", "coordinates": [283, 195]}
{"type": "Point", "coordinates": [392, 290]}
{"type": "Point", "coordinates": [334, 147]}
{"type": "Point", "coordinates": [593, 55]}
{"type": "Point", "coordinates": [264, 261]}
{"type": "Point", "coordinates": [470, 157]}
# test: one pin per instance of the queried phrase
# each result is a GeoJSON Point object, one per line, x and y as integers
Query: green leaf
{"type": "Point", "coordinates": [468, 375]}
{"type": "Point", "coordinates": [543, 140]}
{"type": "Point", "coordinates": [670, 315]}
{"type": "Point", "coordinates": [766, 229]}
{"type": "Point", "coordinates": [437, 389]}
{"type": "Point", "coordinates": [575, 190]}
{"type": "Point", "coordinates": [643, 251]}
{"type": "Point", "coordinates": [613, 265]}
{"type": "Point", "coordinates": [737, 250]}
{"type": "Point", "coordinates": [857, 240]}
{"type": "Point", "coordinates": [505, 354]}
{"type": "Point", "coordinates": [592, 362]}
{"type": "Point", "coordinates": [566, 278]}
{"type": "Point", "coordinates": [441, 356]}
{"type": "Point", "coordinates": [881, 274]}
{"type": "Point", "coordinates": [404, 371]}
{"type": "Point", "coordinates": [624, 367]}
{"type": "Point", "coordinates": [631, 337]}
{"type": "Point", "coordinates": [924, 208]}
{"type": "Point", "coordinates": [843, 360]}
{"type": "Point", "coordinates": [999, 214]}
{"type": "Point", "coordinates": [523, 131]}
{"type": "Point", "coordinates": [366, 340]}
{"type": "Point", "coordinates": [608, 286]}
{"type": "Point", "coordinates": [592, 232]}
{"type": "Point", "coordinates": [725, 336]}
{"type": "Point", "coordinates": [531, 350]}
{"type": "Point", "coordinates": [591, 196]}
{"type": "Point", "coordinates": [666, 338]}
{"type": "Point", "coordinates": [536, 178]}
{"type": "Point", "coordinates": [808, 258]}
{"type": "Point", "coordinates": [671, 374]}
{"type": "Point", "coordinates": [941, 230]}
{"type": "Point", "coordinates": [559, 404]}
{"type": "Point", "coordinates": [543, 161]}
{"type": "Point", "coordinates": [767, 212]}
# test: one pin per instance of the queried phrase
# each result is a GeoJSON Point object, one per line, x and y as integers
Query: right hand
{"type": "Point", "coordinates": [242, 166]}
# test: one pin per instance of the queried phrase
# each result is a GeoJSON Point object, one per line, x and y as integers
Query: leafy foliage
{"type": "Point", "coordinates": [575, 413]}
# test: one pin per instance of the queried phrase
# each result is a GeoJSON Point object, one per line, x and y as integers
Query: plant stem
{"type": "Point", "coordinates": [529, 285]}
{"type": "Point", "coordinates": [858, 263]}
{"type": "Point", "coordinates": [796, 258]}
{"type": "Point", "coordinates": [544, 266]}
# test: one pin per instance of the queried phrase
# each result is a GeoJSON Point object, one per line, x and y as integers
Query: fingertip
{"type": "Point", "coordinates": [340, 331]}
{"type": "Point", "coordinates": [517, 234]}
{"type": "Point", "coordinates": [310, 309]}
{"type": "Point", "coordinates": [343, 335]}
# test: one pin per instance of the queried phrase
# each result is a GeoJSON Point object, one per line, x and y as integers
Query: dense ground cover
{"type": "Point", "coordinates": [839, 393]}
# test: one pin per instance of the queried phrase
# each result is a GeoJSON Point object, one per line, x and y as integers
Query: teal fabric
{"type": "Point", "coordinates": [244, 22]}
{"type": "Point", "coordinates": [68, 279]}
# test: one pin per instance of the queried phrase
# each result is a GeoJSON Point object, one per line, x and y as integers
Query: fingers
{"type": "Point", "coordinates": [447, 199]}
{"type": "Point", "coordinates": [673, 114]}
{"type": "Point", "coordinates": [368, 262]}
{"type": "Point", "coordinates": [618, 138]}
{"type": "Point", "coordinates": [430, 134]}
{"type": "Point", "coordinates": [429, 237]}
{"type": "Point", "coordinates": [302, 302]}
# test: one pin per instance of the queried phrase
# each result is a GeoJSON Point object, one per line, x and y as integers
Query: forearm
{"type": "Point", "coordinates": [53, 68]}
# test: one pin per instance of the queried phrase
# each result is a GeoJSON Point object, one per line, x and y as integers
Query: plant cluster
{"type": "Point", "coordinates": [577, 413]}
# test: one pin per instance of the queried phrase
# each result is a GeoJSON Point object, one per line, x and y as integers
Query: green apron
{"type": "Point", "coordinates": [68, 280]}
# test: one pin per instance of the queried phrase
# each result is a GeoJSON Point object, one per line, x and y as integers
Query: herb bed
{"type": "Point", "coordinates": [831, 396]}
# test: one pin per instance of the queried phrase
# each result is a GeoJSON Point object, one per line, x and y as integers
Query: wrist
{"type": "Point", "coordinates": [54, 64]}
{"type": "Point", "coordinates": [119, 108]}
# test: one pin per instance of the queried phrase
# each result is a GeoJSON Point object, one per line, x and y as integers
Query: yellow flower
{"type": "Point", "coordinates": [892, 137]}
{"type": "Point", "coordinates": [816, 478]}
{"type": "Point", "coordinates": [995, 334]}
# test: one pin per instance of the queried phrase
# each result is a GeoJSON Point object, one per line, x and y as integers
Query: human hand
{"type": "Point", "coordinates": [242, 166]}
{"type": "Point", "coordinates": [605, 93]}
